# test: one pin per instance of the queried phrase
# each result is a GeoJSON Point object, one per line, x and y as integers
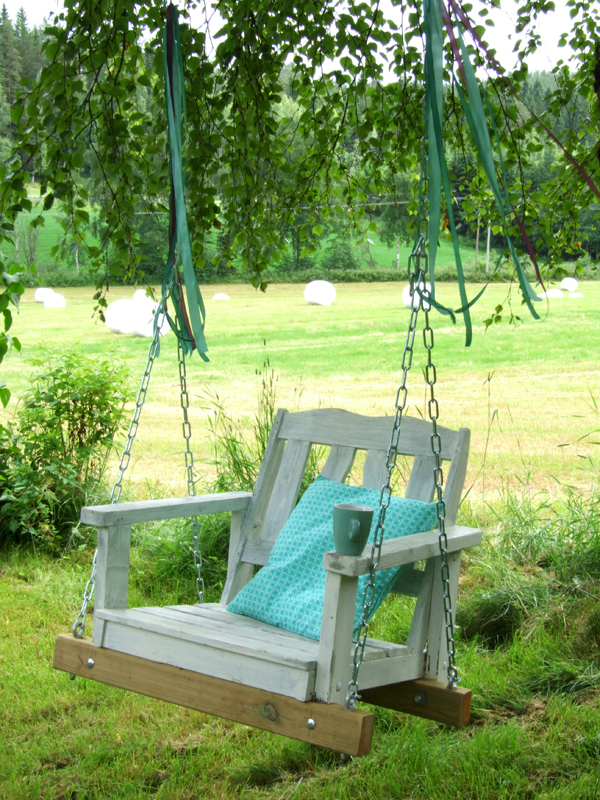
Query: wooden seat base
{"type": "Point", "coordinates": [207, 638]}
{"type": "Point", "coordinates": [322, 724]}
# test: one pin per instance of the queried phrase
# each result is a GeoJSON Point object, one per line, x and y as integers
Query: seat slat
{"type": "Point", "coordinates": [236, 632]}
{"type": "Point", "coordinates": [271, 648]}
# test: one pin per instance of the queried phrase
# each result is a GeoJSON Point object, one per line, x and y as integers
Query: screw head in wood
{"type": "Point", "coordinates": [420, 698]}
{"type": "Point", "coordinates": [89, 663]}
{"type": "Point", "coordinates": [311, 724]}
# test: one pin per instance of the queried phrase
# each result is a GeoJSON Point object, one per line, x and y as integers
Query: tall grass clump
{"type": "Point", "coordinates": [53, 454]}
{"type": "Point", "coordinates": [531, 591]}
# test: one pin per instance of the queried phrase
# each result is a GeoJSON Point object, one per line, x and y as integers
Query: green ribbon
{"type": "Point", "coordinates": [181, 246]}
{"type": "Point", "coordinates": [437, 167]}
{"type": "Point", "coordinates": [476, 119]}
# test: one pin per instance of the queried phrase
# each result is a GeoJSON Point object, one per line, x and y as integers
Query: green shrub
{"type": "Point", "coordinates": [55, 451]}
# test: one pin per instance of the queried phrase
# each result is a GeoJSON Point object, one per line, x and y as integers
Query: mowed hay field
{"type": "Point", "coordinates": [526, 392]}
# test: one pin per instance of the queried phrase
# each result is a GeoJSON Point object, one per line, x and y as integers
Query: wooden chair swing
{"type": "Point", "coordinates": [202, 656]}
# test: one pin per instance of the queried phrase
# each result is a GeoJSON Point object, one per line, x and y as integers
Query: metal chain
{"type": "Point", "coordinates": [189, 466]}
{"type": "Point", "coordinates": [78, 628]}
{"type": "Point", "coordinates": [417, 279]}
{"type": "Point", "coordinates": [436, 447]}
{"type": "Point", "coordinates": [418, 284]}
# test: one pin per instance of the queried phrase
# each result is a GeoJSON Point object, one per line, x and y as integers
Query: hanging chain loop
{"type": "Point", "coordinates": [78, 628]}
{"type": "Point", "coordinates": [417, 280]}
{"type": "Point", "coordinates": [436, 447]}
{"type": "Point", "coordinates": [189, 467]}
{"type": "Point", "coordinates": [419, 296]}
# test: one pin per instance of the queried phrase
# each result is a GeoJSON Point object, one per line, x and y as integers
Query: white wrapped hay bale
{"type": "Point", "coordinates": [42, 294]}
{"type": "Point", "coordinates": [144, 321]}
{"type": "Point", "coordinates": [55, 300]}
{"type": "Point", "coordinates": [320, 293]}
{"type": "Point", "coordinates": [133, 317]}
{"type": "Point", "coordinates": [569, 284]}
{"type": "Point", "coordinates": [140, 296]}
{"type": "Point", "coordinates": [119, 316]}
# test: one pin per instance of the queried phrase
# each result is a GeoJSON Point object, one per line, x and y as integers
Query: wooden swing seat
{"type": "Point", "coordinates": [205, 657]}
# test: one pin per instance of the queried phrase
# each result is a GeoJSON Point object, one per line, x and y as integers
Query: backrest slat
{"type": "Point", "coordinates": [286, 489]}
{"type": "Point", "coordinates": [339, 463]}
{"type": "Point", "coordinates": [421, 483]}
{"type": "Point", "coordinates": [375, 472]}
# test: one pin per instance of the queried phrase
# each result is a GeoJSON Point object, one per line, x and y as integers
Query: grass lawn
{"type": "Point", "coordinates": [529, 625]}
{"type": "Point", "coordinates": [524, 392]}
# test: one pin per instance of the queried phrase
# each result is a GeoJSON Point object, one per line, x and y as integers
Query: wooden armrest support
{"type": "Point", "coordinates": [403, 550]}
{"type": "Point", "coordinates": [150, 510]}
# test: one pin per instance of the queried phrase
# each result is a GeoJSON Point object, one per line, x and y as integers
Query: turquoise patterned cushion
{"type": "Point", "coordinates": [289, 590]}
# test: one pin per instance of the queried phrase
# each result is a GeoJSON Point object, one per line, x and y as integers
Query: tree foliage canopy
{"type": "Point", "coordinates": [295, 111]}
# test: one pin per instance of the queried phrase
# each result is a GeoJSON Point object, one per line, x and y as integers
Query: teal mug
{"type": "Point", "coordinates": [351, 528]}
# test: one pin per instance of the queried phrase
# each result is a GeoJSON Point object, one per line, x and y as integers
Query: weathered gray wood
{"type": "Point", "coordinates": [333, 426]}
{"type": "Point", "coordinates": [339, 463]}
{"type": "Point", "coordinates": [112, 571]}
{"type": "Point", "coordinates": [286, 489]}
{"type": "Point", "coordinates": [238, 667]}
{"type": "Point", "coordinates": [208, 639]}
{"type": "Point", "coordinates": [455, 480]}
{"type": "Point", "coordinates": [403, 550]}
{"type": "Point", "coordinates": [334, 666]}
{"type": "Point", "coordinates": [437, 650]}
{"type": "Point", "coordinates": [375, 649]}
{"type": "Point", "coordinates": [109, 516]}
{"type": "Point", "coordinates": [409, 581]}
{"type": "Point", "coordinates": [375, 472]}
{"type": "Point", "coordinates": [417, 636]}
{"type": "Point", "coordinates": [421, 483]}
{"type": "Point", "coordinates": [238, 640]}
{"type": "Point", "coordinates": [405, 667]}
{"type": "Point", "coordinates": [241, 573]}
{"type": "Point", "coordinates": [257, 552]}
{"type": "Point", "coordinates": [235, 535]}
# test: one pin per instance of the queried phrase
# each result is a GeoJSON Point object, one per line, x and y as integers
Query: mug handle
{"type": "Point", "coordinates": [354, 529]}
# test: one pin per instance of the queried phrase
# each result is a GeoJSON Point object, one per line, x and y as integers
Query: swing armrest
{"type": "Point", "coordinates": [403, 550]}
{"type": "Point", "coordinates": [109, 516]}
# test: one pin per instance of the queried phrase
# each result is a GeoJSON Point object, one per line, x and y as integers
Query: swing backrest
{"type": "Point", "coordinates": [286, 457]}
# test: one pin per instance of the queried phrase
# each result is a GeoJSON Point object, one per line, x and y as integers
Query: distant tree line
{"type": "Point", "coordinates": [20, 59]}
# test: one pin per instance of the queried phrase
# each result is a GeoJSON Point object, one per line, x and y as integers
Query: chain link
{"type": "Point", "coordinates": [78, 628]}
{"type": "Point", "coordinates": [189, 466]}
